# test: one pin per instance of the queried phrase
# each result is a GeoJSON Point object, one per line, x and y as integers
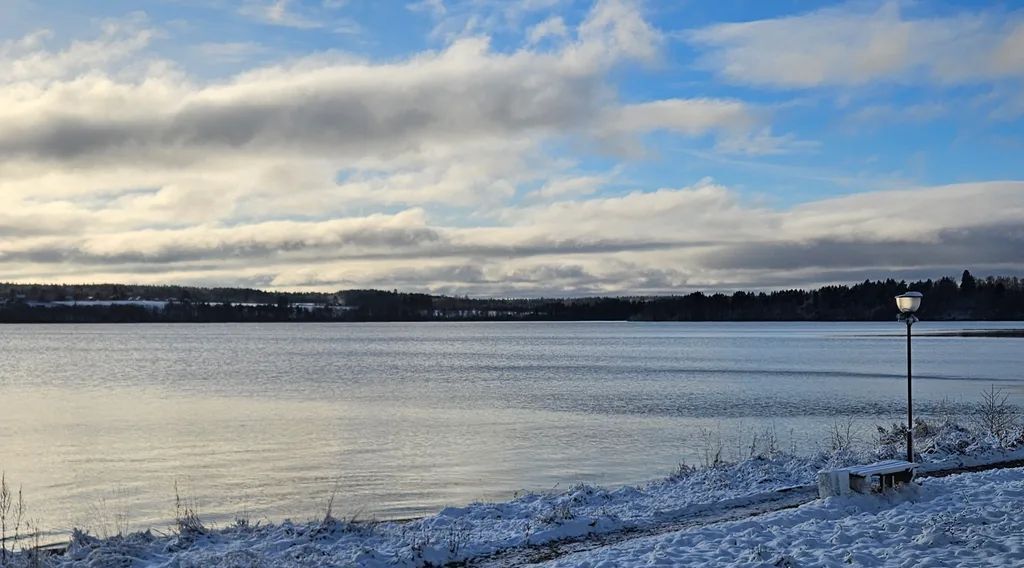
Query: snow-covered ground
{"type": "Point", "coordinates": [458, 533]}
{"type": "Point", "coordinates": [839, 530]}
{"type": "Point", "coordinates": [970, 519]}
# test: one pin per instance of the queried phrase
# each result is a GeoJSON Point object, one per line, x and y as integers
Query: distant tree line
{"type": "Point", "coordinates": [193, 294]}
{"type": "Point", "coordinates": [991, 298]}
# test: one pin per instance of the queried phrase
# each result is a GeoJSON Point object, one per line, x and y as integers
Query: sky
{"type": "Point", "coordinates": [509, 148]}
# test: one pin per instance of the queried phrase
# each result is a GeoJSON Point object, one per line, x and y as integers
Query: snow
{"type": "Point", "coordinates": [155, 305]}
{"type": "Point", "coordinates": [459, 532]}
{"type": "Point", "coordinates": [962, 514]}
{"type": "Point", "coordinates": [961, 520]}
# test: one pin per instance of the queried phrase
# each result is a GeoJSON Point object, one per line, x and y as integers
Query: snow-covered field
{"type": "Point", "coordinates": [967, 517]}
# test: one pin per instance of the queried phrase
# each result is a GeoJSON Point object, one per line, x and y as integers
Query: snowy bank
{"type": "Point", "coordinates": [690, 496]}
{"type": "Point", "coordinates": [456, 533]}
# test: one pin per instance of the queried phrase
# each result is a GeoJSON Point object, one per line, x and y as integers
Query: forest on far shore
{"type": "Point", "coordinates": [970, 298]}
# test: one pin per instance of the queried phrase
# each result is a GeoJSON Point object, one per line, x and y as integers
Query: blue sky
{"type": "Point", "coordinates": [510, 148]}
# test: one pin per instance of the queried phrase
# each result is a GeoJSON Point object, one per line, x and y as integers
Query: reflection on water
{"type": "Point", "coordinates": [405, 418]}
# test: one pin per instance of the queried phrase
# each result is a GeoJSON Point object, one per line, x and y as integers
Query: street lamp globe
{"type": "Point", "coordinates": [909, 302]}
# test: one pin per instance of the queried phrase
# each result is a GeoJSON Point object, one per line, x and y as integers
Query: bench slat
{"type": "Point", "coordinates": [882, 468]}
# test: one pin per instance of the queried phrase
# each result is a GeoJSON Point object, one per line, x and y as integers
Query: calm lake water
{"type": "Point", "coordinates": [266, 419]}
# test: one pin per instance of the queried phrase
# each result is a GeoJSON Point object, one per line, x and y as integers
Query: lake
{"type": "Point", "coordinates": [266, 420]}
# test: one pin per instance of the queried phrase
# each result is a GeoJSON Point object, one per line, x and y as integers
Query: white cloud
{"type": "Point", "coordinates": [406, 129]}
{"type": "Point", "coordinates": [232, 51]}
{"type": "Point", "coordinates": [278, 13]}
{"type": "Point", "coordinates": [565, 187]}
{"type": "Point", "coordinates": [430, 172]}
{"type": "Point", "coordinates": [880, 114]}
{"type": "Point", "coordinates": [640, 242]}
{"type": "Point", "coordinates": [616, 28]}
{"type": "Point", "coordinates": [849, 45]}
{"type": "Point", "coordinates": [28, 60]}
{"type": "Point", "coordinates": [763, 142]}
{"type": "Point", "coordinates": [462, 18]}
{"type": "Point", "coordinates": [552, 28]}
{"type": "Point", "coordinates": [689, 116]}
{"type": "Point", "coordinates": [435, 8]}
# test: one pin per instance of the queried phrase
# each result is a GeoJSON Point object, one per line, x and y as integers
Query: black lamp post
{"type": "Point", "coordinates": [908, 303]}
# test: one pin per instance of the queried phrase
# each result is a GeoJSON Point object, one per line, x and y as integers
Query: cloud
{"type": "Point", "coordinates": [876, 115]}
{"type": "Point", "coordinates": [458, 125]}
{"type": "Point", "coordinates": [616, 28]}
{"type": "Point", "coordinates": [28, 59]}
{"type": "Point", "coordinates": [740, 128]}
{"type": "Point", "coordinates": [565, 187]}
{"type": "Point", "coordinates": [321, 105]}
{"type": "Point", "coordinates": [231, 52]}
{"type": "Point", "coordinates": [455, 19]}
{"type": "Point", "coordinates": [552, 28]}
{"type": "Point", "coordinates": [688, 116]}
{"type": "Point", "coordinates": [278, 13]}
{"type": "Point", "coordinates": [991, 245]}
{"type": "Point", "coordinates": [272, 238]}
{"type": "Point", "coordinates": [472, 168]}
{"type": "Point", "coordinates": [436, 8]}
{"type": "Point", "coordinates": [642, 242]}
{"type": "Point", "coordinates": [849, 45]}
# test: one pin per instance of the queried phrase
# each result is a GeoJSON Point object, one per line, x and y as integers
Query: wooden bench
{"type": "Point", "coordinates": [862, 478]}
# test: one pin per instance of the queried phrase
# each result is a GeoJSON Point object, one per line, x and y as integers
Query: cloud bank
{"type": "Point", "coordinates": [458, 169]}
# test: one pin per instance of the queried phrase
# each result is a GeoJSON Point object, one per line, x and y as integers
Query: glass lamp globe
{"type": "Point", "coordinates": [909, 303]}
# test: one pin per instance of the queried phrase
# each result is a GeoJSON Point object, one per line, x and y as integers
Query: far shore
{"type": "Point", "coordinates": [975, 333]}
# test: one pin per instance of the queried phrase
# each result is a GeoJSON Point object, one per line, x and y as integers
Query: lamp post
{"type": "Point", "coordinates": [908, 304]}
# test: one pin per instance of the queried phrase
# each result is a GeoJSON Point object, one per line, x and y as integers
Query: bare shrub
{"type": "Point", "coordinates": [764, 444]}
{"type": "Point", "coordinates": [243, 519]}
{"type": "Point", "coordinates": [997, 416]}
{"type": "Point", "coordinates": [12, 511]}
{"type": "Point", "coordinates": [33, 550]}
{"type": "Point", "coordinates": [711, 447]}
{"type": "Point", "coordinates": [559, 513]}
{"type": "Point", "coordinates": [682, 471]}
{"type": "Point", "coordinates": [945, 411]}
{"type": "Point", "coordinates": [892, 441]}
{"type": "Point", "coordinates": [840, 436]}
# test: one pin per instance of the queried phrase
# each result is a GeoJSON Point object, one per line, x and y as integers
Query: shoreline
{"type": "Point", "coordinates": [540, 526]}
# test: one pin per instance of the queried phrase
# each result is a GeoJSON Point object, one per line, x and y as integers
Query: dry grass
{"type": "Point", "coordinates": [12, 512]}
{"type": "Point", "coordinates": [111, 516]}
{"type": "Point", "coordinates": [186, 514]}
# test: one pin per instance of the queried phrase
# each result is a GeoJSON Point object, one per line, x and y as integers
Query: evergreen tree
{"type": "Point", "coordinates": [967, 283]}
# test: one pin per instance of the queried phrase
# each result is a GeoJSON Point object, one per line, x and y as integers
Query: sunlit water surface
{"type": "Point", "coordinates": [266, 420]}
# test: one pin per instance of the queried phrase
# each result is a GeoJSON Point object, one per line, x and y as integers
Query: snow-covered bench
{"type": "Point", "coordinates": [861, 478]}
